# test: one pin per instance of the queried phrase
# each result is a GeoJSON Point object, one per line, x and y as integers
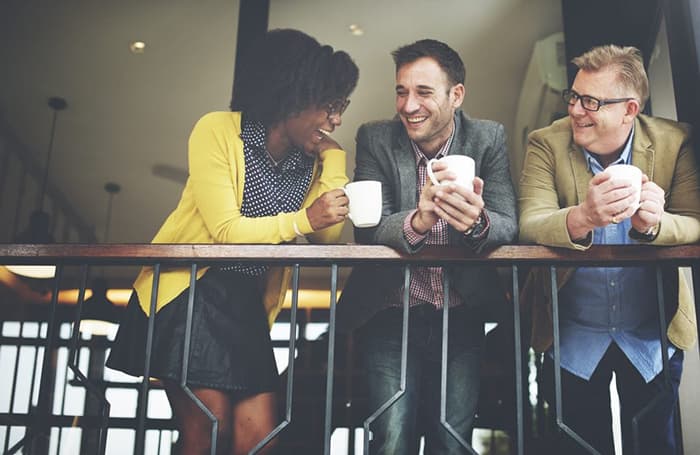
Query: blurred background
{"type": "Point", "coordinates": [108, 163]}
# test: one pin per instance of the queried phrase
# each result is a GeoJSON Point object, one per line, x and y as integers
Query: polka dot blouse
{"type": "Point", "coordinates": [270, 187]}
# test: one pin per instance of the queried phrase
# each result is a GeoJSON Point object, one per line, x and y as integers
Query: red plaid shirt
{"type": "Point", "coordinates": [426, 282]}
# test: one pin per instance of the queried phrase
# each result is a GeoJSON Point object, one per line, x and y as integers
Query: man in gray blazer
{"type": "Point", "coordinates": [429, 91]}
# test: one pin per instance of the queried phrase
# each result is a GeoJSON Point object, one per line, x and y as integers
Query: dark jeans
{"type": "Point", "coordinates": [417, 412]}
{"type": "Point", "coordinates": [586, 405]}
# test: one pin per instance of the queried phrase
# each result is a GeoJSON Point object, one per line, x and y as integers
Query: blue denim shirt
{"type": "Point", "coordinates": [601, 305]}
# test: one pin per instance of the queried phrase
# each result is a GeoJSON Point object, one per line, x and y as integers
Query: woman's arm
{"type": "Point", "coordinates": [216, 178]}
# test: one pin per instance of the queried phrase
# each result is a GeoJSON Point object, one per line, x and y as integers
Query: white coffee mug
{"type": "Point", "coordinates": [462, 166]}
{"type": "Point", "coordinates": [629, 174]}
{"type": "Point", "coordinates": [365, 202]}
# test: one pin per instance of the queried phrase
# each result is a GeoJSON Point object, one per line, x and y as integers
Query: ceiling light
{"type": "Point", "coordinates": [38, 230]}
{"type": "Point", "coordinates": [40, 272]}
{"type": "Point", "coordinates": [356, 30]}
{"type": "Point", "coordinates": [100, 316]}
{"type": "Point", "coordinates": [137, 47]}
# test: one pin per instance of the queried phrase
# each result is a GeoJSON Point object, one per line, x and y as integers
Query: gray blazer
{"type": "Point", "coordinates": [384, 153]}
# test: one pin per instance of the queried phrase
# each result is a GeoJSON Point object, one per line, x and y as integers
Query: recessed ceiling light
{"type": "Point", "coordinates": [137, 47]}
{"type": "Point", "coordinates": [356, 30]}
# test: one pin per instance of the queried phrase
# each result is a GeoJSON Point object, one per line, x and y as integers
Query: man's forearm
{"type": "Point", "coordinates": [577, 224]}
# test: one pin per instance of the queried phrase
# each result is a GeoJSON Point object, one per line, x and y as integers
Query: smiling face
{"type": "Point", "coordinates": [304, 131]}
{"type": "Point", "coordinates": [603, 132]}
{"type": "Point", "coordinates": [426, 103]}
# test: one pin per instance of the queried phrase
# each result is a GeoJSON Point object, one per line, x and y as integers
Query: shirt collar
{"type": "Point", "coordinates": [442, 152]}
{"type": "Point", "coordinates": [624, 158]}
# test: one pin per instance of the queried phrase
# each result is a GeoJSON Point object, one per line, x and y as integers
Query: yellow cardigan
{"type": "Point", "coordinates": [209, 210]}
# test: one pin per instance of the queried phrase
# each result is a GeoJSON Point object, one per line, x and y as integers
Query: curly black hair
{"type": "Point", "coordinates": [287, 72]}
{"type": "Point", "coordinates": [448, 59]}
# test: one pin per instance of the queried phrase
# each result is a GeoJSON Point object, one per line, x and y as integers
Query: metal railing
{"type": "Point", "coordinates": [40, 420]}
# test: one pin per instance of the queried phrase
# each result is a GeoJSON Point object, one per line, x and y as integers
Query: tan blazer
{"type": "Point", "coordinates": [555, 178]}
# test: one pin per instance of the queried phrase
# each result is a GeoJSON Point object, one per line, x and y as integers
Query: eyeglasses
{"type": "Point", "coordinates": [589, 103]}
{"type": "Point", "coordinates": [337, 107]}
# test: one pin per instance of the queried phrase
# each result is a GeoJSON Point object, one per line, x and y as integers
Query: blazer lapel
{"type": "Point", "coordinates": [406, 165]}
{"type": "Point", "coordinates": [579, 168]}
{"type": "Point", "coordinates": [459, 141]}
{"type": "Point", "coordinates": [642, 151]}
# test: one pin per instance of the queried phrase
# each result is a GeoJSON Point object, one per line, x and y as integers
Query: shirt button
{"type": "Point", "coordinates": [612, 283]}
{"type": "Point", "coordinates": [614, 307]}
{"type": "Point", "coordinates": [614, 329]}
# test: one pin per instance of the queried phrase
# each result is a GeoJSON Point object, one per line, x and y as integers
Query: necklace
{"type": "Point", "coordinates": [275, 162]}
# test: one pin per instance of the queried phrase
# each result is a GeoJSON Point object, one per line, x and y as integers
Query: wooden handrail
{"type": "Point", "coordinates": [346, 254]}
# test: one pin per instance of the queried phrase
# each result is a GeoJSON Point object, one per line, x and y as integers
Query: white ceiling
{"type": "Point", "coordinates": [129, 112]}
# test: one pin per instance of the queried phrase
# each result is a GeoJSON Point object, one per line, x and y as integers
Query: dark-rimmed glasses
{"type": "Point", "coordinates": [337, 107]}
{"type": "Point", "coordinates": [589, 103]}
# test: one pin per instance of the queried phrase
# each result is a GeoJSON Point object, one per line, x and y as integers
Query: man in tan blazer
{"type": "Point", "coordinates": [608, 319]}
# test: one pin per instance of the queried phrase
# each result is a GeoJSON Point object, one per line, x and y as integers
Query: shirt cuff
{"type": "Point", "coordinates": [296, 230]}
{"type": "Point", "coordinates": [412, 237]}
{"type": "Point", "coordinates": [301, 223]}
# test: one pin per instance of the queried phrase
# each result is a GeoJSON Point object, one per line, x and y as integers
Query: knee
{"type": "Point", "coordinates": [197, 439]}
{"type": "Point", "coordinates": [223, 439]}
{"type": "Point", "coordinates": [243, 448]}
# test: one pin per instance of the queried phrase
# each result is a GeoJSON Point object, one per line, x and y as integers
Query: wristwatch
{"type": "Point", "coordinates": [648, 236]}
{"type": "Point", "coordinates": [478, 229]}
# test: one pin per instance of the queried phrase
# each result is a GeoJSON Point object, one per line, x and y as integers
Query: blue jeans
{"type": "Point", "coordinates": [417, 412]}
{"type": "Point", "coordinates": [586, 405]}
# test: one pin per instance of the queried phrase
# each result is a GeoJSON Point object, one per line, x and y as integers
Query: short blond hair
{"type": "Point", "coordinates": [626, 61]}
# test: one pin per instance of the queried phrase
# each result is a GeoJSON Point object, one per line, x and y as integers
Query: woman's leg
{"type": "Point", "coordinates": [194, 426]}
{"type": "Point", "coordinates": [254, 418]}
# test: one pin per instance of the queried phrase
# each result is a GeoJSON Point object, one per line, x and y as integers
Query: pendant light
{"type": "Point", "coordinates": [100, 315]}
{"type": "Point", "coordinates": [38, 230]}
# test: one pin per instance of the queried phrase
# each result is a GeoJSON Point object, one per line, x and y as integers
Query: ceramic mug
{"type": "Point", "coordinates": [365, 202]}
{"type": "Point", "coordinates": [627, 173]}
{"type": "Point", "coordinates": [462, 166]}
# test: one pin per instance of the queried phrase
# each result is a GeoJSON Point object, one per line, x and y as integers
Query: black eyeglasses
{"type": "Point", "coordinates": [589, 103]}
{"type": "Point", "coordinates": [337, 107]}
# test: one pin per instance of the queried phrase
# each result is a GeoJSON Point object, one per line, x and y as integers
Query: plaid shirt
{"type": "Point", "coordinates": [426, 282]}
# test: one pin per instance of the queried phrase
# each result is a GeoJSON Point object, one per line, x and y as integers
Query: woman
{"type": "Point", "coordinates": [264, 173]}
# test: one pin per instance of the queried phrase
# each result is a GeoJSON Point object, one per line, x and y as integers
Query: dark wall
{"type": "Point", "coordinates": [683, 26]}
{"type": "Point", "coordinates": [591, 23]}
